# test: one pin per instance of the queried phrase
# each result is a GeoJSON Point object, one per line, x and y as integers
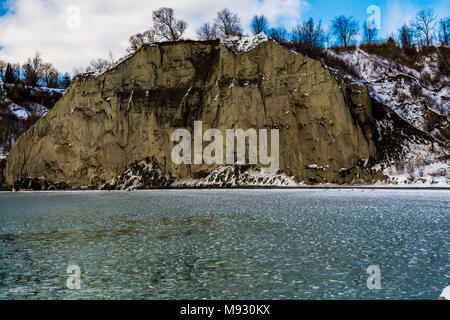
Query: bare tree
{"type": "Point", "coordinates": [278, 34]}
{"type": "Point", "coordinates": [166, 26]}
{"type": "Point", "coordinates": [99, 65]}
{"type": "Point", "coordinates": [425, 24]}
{"type": "Point", "coordinates": [36, 61]}
{"type": "Point", "coordinates": [345, 29]}
{"type": "Point", "coordinates": [308, 34]}
{"type": "Point", "coordinates": [207, 32]}
{"type": "Point", "coordinates": [49, 73]}
{"type": "Point", "coordinates": [140, 39]}
{"type": "Point", "coordinates": [53, 79]}
{"type": "Point", "coordinates": [406, 36]}
{"type": "Point", "coordinates": [228, 23]}
{"type": "Point", "coordinates": [259, 24]}
{"type": "Point", "coordinates": [444, 31]}
{"type": "Point", "coordinates": [369, 33]}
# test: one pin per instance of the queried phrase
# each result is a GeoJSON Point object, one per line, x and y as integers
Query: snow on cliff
{"type": "Point", "coordinates": [244, 44]}
{"type": "Point", "coordinates": [400, 87]}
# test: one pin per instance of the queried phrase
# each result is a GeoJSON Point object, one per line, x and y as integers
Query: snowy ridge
{"type": "Point", "coordinates": [112, 66]}
{"type": "Point", "coordinates": [244, 44]}
{"type": "Point", "coordinates": [235, 44]}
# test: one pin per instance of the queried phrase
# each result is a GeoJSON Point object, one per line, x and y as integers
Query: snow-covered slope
{"type": "Point", "coordinates": [32, 102]}
{"type": "Point", "coordinates": [20, 107]}
{"type": "Point", "coordinates": [413, 141]}
{"type": "Point", "coordinates": [410, 157]}
{"type": "Point", "coordinates": [400, 88]}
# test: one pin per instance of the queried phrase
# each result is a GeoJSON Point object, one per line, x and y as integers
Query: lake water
{"type": "Point", "coordinates": [225, 244]}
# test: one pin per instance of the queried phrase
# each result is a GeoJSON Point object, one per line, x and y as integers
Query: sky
{"type": "Point", "coordinates": [69, 33]}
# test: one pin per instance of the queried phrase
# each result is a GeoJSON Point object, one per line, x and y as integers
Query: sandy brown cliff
{"type": "Point", "coordinates": [106, 124]}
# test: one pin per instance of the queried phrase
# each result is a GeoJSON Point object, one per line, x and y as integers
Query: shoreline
{"type": "Point", "coordinates": [248, 188]}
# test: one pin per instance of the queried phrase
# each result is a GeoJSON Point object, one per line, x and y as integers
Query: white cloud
{"type": "Point", "coordinates": [106, 25]}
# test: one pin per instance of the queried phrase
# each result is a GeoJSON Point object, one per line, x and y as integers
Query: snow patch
{"type": "Point", "coordinates": [446, 293]}
{"type": "Point", "coordinates": [3, 153]}
{"type": "Point", "coordinates": [234, 176]}
{"type": "Point", "coordinates": [244, 44]}
{"type": "Point", "coordinates": [18, 111]}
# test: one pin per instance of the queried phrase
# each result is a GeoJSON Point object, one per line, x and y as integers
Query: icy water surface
{"type": "Point", "coordinates": [225, 244]}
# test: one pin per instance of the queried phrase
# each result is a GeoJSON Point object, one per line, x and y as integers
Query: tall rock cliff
{"type": "Point", "coordinates": [108, 126]}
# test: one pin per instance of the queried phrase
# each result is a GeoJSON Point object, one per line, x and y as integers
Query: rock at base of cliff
{"type": "Point", "coordinates": [238, 176]}
{"type": "Point", "coordinates": [38, 184]}
{"type": "Point", "coordinates": [145, 174]}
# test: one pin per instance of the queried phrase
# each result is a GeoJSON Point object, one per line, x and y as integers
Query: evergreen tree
{"type": "Point", "coordinates": [31, 77]}
{"type": "Point", "coordinates": [66, 81]}
{"type": "Point", "coordinates": [9, 74]}
{"type": "Point", "coordinates": [406, 36]}
{"type": "Point", "coordinates": [53, 80]}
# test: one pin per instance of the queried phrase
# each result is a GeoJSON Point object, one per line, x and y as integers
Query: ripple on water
{"type": "Point", "coordinates": [225, 244]}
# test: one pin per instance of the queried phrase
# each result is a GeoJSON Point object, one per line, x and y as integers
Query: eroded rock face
{"type": "Point", "coordinates": [106, 123]}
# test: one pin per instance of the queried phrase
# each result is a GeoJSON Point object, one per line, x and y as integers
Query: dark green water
{"type": "Point", "coordinates": [225, 244]}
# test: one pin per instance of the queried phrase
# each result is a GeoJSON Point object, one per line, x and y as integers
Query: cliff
{"type": "Point", "coordinates": [118, 124]}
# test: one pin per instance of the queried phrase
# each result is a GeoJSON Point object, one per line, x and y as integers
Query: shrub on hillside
{"type": "Point", "coordinates": [341, 49]}
{"type": "Point", "coordinates": [426, 78]}
{"type": "Point", "coordinates": [443, 54]}
{"type": "Point", "coordinates": [326, 58]}
{"type": "Point", "coordinates": [19, 94]}
{"type": "Point", "coordinates": [339, 64]}
{"type": "Point", "coordinates": [416, 90]}
{"type": "Point", "coordinates": [31, 120]}
{"type": "Point", "coordinates": [16, 92]}
{"type": "Point", "coordinates": [390, 50]}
